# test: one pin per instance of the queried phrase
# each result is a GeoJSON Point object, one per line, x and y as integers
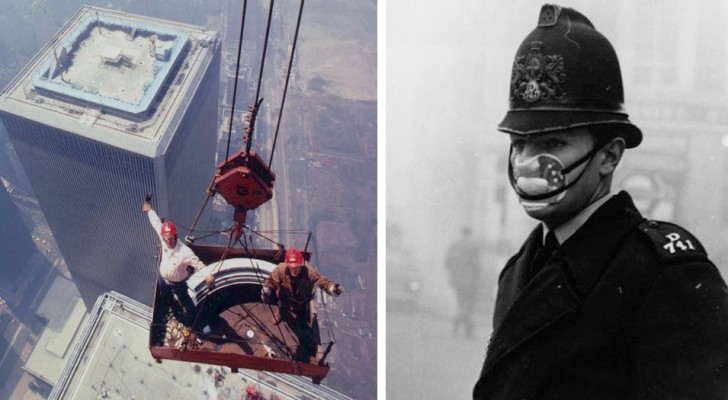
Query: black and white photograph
{"type": "Point", "coordinates": [556, 200]}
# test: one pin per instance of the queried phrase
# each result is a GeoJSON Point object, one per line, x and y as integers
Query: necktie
{"type": "Point", "coordinates": [544, 252]}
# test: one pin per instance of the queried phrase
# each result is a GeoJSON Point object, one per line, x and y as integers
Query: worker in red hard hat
{"type": "Point", "coordinates": [292, 282]}
{"type": "Point", "coordinates": [176, 265]}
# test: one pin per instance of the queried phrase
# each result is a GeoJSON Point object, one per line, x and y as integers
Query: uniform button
{"type": "Point", "coordinates": [653, 224]}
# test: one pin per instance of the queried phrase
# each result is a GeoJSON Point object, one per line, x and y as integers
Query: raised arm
{"type": "Point", "coordinates": [151, 214]}
{"type": "Point", "coordinates": [155, 221]}
{"type": "Point", "coordinates": [323, 282]}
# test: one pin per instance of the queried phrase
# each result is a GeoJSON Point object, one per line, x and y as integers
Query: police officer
{"type": "Point", "coordinates": [598, 303]}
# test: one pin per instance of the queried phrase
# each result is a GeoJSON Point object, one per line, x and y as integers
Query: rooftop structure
{"type": "Point", "coordinates": [118, 73]}
{"type": "Point", "coordinates": [64, 318]}
{"type": "Point", "coordinates": [118, 63]}
{"type": "Point", "coordinates": [111, 358]}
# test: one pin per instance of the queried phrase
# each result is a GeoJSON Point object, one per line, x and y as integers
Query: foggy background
{"type": "Point", "coordinates": [448, 71]}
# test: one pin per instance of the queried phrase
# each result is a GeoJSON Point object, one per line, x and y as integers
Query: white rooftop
{"type": "Point", "coordinates": [112, 358]}
{"type": "Point", "coordinates": [111, 60]}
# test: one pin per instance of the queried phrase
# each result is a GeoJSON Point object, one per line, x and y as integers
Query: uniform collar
{"type": "Point", "coordinates": [568, 228]}
{"type": "Point", "coordinates": [593, 245]}
{"type": "Point", "coordinates": [527, 304]}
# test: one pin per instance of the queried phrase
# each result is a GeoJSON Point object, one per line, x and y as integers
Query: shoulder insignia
{"type": "Point", "coordinates": [671, 239]}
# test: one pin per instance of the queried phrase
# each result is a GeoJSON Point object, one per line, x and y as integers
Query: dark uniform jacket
{"type": "Point", "coordinates": [280, 282]}
{"type": "Point", "coordinates": [625, 309]}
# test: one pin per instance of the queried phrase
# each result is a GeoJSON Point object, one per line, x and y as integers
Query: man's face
{"type": "Point", "coordinates": [568, 147]}
{"type": "Point", "coordinates": [295, 269]}
{"type": "Point", "coordinates": [170, 240]}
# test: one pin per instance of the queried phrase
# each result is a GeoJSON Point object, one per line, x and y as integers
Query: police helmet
{"type": "Point", "coordinates": [566, 75]}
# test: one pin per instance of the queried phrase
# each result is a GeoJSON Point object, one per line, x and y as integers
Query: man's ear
{"type": "Point", "coordinates": [613, 152]}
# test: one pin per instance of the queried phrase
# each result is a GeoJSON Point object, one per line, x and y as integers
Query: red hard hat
{"type": "Point", "coordinates": [168, 229]}
{"type": "Point", "coordinates": [294, 256]}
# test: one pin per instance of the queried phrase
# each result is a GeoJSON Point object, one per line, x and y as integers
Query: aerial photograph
{"type": "Point", "coordinates": [475, 300]}
{"type": "Point", "coordinates": [188, 206]}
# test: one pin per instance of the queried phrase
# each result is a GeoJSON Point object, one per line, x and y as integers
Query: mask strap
{"type": "Point", "coordinates": [587, 157]}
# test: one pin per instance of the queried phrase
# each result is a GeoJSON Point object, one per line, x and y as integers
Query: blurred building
{"type": "Point", "coordinates": [111, 360]}
{"type": "Point", "coordinates": [64, 314]}
{"type": "Point", "coordinates": [675, 67]}
{"type": "Point", "coordinates": [23, 253]}
{"type": "Point", "coordinates": [116, 105]}
{"type": "Point", "coordinates": [16, 243]}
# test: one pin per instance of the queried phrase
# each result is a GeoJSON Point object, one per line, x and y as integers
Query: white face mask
{"type": "Point", "coordinates": [542, 179]}
{"type": "Point", "coordinates": [537, 176]}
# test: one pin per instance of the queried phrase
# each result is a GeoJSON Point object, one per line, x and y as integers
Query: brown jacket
{"type": "Point", "coordinates": [280, 283]}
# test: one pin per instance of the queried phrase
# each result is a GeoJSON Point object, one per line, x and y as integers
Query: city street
{"type": "Point", "coordinates": [424, 360]}
{"type": "Point", "coordinates": [20, 336]}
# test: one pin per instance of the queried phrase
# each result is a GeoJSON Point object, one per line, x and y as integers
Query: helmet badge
{"type": "Point", "coordinates": [537, 76]}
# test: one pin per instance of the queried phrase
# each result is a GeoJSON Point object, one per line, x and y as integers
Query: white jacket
{"type": "Point", "coordinates": [173, 266]}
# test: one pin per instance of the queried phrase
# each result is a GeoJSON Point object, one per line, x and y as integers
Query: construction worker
{"type": "Point", "coordinates": [599, 302]}
{"type": "Point", "coordinates": [292, 283]}
{"type": "Point", "coordinates": [176, 265]}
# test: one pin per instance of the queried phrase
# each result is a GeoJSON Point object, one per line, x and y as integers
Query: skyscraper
{"type": "Point", "coordinates": [114, 106]}
{"type": "Point", "coordinates": [16, 246]}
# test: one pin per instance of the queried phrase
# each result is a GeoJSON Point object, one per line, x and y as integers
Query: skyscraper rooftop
{"type": "Point", "coordinates": [113, 71]}
{"type": "Point", "coordinates": [111, 360]}
{"type": "Point", "coordinates": [111, 61]}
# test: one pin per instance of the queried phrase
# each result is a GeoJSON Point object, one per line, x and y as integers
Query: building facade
{"type": "Point", "coordinates": [16, 244]}
{"type": "Point", "coordinates": [116, 105]}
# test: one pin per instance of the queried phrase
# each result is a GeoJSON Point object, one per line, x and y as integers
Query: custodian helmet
{"type": "Point", "coordinates": [566, 75]}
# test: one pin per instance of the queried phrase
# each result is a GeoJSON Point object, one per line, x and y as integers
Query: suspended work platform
{"type": "Point", "coordinates": [232, 327]}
